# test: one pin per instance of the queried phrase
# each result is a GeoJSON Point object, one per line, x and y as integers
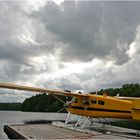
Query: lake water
{"type": "Point", "coordinates": [17, 117]}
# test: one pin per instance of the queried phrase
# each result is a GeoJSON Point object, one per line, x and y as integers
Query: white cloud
{"type": "Point", "coordinates": [131, 51]}
{"type": "Point", "coordinates": [58, 2]}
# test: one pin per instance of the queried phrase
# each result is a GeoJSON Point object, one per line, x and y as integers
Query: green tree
{"type": "Point", "coordinates": [42, 103]}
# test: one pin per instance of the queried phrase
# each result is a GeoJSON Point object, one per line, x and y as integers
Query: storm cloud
{"type": "Point", "coordinates": [74, 45]}
{"type": "Point", "coordinates": [91, 29]}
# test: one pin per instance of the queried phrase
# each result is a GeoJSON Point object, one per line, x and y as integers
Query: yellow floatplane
{"type": "Point", "coordinates": [92, 105]}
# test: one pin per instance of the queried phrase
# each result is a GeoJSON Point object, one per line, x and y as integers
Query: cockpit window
{"type": "Point", "coordinates": [93, 101]}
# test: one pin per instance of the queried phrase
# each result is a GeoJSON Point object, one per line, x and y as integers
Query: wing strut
{"type": "Point", "coordinates": [58, 98]}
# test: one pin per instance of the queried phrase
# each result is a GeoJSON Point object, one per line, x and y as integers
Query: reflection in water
{"type": "Point", "coordinates": [17, 117]}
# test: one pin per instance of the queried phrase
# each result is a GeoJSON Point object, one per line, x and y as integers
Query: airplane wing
{"type": "Point", "coordinates": [39, 90]}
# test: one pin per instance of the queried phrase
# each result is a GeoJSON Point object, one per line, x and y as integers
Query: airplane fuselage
{"type": "Point", "coordinates": [95, 106]}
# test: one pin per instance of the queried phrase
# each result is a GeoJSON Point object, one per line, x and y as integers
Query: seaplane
{"type": "Point", "coordinates": [91, 105]}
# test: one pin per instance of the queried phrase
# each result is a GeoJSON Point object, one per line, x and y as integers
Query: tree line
{"type": "Point", "coordinates": [43, 103]}
{"type": "Point", "coordinates": [11, 106]}
{"type": "Point", "coordinates": [129, 90]}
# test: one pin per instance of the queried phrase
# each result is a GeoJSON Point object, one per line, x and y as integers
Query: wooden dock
{"type": "Point", "coordinates": [58, 131]}
{"type": "Point", "coordinates": [40, 131]}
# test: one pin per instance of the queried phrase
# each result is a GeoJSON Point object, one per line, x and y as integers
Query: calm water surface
{"type": "Point", "coordinates": [17, 117]}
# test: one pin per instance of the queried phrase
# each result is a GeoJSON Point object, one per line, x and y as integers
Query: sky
{"type": "Point", "coordinates": [73, 45]}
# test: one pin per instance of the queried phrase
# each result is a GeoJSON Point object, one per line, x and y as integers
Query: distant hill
{"type": "Point", "coordinates": [43, 103]}
{"type": "Point", "coordinates": [10, 106]}
{"type": "Point", "coordinates": [130, 90]}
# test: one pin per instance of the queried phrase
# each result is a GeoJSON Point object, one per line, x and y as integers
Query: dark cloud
{"type": "Point", "coordinates": [92, 29]}
{"type": "Point", "coordinates": [35, 45]}
{"type": "Point", "coordinates": [16, 47]}
{"type": "Point", "coordinates": [71, 82]}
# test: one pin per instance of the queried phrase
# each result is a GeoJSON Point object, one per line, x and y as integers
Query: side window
{"type": "Point", "coordinates": [85, 101]}
{"type": "Point", "coordinates": [100, 102]}
{"type": "Point", "coordinates": [93, 101]}
{"type": "Point", "coordinates": [74, 100]}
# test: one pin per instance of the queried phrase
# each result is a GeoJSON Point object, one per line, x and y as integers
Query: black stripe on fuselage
{"type": "Point", "coordinates": [99, 109]}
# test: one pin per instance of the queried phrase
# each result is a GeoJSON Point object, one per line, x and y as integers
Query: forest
{"type": "Point", "coordinates": [10, 106]}
{"type": "Point", "coordinates": [129, 90]}
{"type": "Point", "coordinates": [43, 103]}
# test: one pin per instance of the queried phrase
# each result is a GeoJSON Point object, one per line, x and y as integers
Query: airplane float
{"type": "Point", "coordinates": [91, 105]}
